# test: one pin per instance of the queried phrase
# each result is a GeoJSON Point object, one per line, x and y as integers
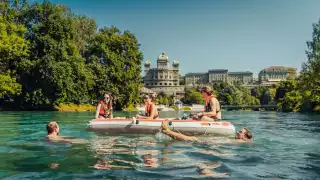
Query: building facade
{"type": "Point", "coordinates": [240, 77]}
{"type": "Point", "coordinates": [273, 74]}
{"type": "Point", "coordinates": [218, 75]}
{"type": "Point", "coordinates": [164, 78]}
{"type": "Point", "coordinates": [196, 78]}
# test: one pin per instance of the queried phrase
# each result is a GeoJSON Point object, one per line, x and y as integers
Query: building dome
{"type": "Point", "coordinates": [175, 63]}
{"type": "Point", "coordinates": [147, 63]}
{"type": "Point", "coordinates": [163, 57]}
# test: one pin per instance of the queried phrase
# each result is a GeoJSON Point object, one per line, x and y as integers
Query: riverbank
{"type": "Point", "coordinates": [75, 108]}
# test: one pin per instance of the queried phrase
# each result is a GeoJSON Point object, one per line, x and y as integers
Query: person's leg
{"type": "Point", "coordinates": [206, 118]}
{"type": "Point", "coordinates": [174, 135]}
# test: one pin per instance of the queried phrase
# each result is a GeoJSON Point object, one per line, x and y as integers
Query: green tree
{"type": "Point", "coordinates": [8, 86]}
{"type": "Point", "coordinates": [290, 102]}
{"type": "Point", "coordinates": [309, 80]}
{"type": "Point", "coordinates": [284, 87]}
{"type": "Point", "coordinates": [193, 96]}
{"type": "Point", "coordinates": [56, 70]}
{"type": "Point", "coordinates": [116, 59]}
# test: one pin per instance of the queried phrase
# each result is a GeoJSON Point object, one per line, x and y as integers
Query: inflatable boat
{"type": "Point", "coordinates": [135, 126]}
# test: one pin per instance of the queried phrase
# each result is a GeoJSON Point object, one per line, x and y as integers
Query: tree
{"type": "Point", "coordinates": [8, 86]}
{"type": "Point", "coordinates": [193, 96]}
{"type": "Point", "coordinates": [284, 87]}
{"type": "Point", "coordinates": [116, 60]}
{"type": "Point", "coordinates": [13, 46]}
{"type": "Point", "coordinates": [309, 80]}
{"type": "Point", "coordinates": [55, 70]}
{"type": "Point", "coordinates": [290, 102]}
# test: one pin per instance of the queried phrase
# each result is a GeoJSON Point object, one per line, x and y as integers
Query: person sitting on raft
{"type": "Point", "coordinates": [151, 111]}
{"type": "Point", "coordinates": [212, 106]}
{"type": "Point", "coordinates": [104, 108]}
{"type": "Point", "coordinates": [244, 134]}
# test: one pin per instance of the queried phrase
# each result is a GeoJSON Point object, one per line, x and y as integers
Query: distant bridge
{"type": "Point", "coordinates": [230, 107]}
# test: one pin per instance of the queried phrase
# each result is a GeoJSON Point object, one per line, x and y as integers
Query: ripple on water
{"type": "Point", "coordinates": [285, 146]}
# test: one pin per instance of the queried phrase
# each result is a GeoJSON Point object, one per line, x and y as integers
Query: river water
{"type": "Point", "coordinates": [285, 146]}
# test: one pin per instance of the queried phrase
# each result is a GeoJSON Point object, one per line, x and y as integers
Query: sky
{"type": "Point", "coordinates": [238, 35]}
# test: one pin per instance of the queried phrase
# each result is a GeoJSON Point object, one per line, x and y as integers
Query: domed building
{"type": "Point", "coordinates": [164, 78]}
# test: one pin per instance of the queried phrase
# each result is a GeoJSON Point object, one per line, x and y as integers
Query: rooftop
{"type": "Point", "coordinates": [275, 68]}
{"type": "Point", "coordinates": [243, 72]}
{"type": "Point", "coordinates": [218, 70]}
{"type": "Point", "coordinates": [195, 74]}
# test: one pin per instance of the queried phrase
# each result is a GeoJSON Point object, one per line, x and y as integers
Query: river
{"type": "Point", "coordinates": [285, 146]}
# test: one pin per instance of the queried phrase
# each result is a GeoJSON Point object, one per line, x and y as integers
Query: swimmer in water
{"type": "Point", "coordinates": [53, 134]}
{"type": "Point", "coordinates": [244, 135]}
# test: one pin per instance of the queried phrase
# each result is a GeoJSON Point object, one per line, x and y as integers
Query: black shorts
{"type": "Point", "coordinates": [104, 115]}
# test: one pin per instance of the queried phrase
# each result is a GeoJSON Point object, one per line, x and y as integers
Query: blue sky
{"type": "Point", "coordinates": [239, 35]}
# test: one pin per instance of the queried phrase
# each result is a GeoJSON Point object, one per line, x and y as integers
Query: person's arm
{"type": "Point", "coordinates": [98, 110]}
{"type": "Point", "coordinates": [111, 112]}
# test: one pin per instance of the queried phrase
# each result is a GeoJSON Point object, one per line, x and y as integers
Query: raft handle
{"type": "Point", "coordinates": [170, 123]}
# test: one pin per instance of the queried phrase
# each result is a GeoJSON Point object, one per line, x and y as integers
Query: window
{"type": "Point", "coordinates": [175, 84]}
{"type": "Point", "coordinates": [170, 84]}
{"type": "Point", "coordinates": [147, 84]}
{"type": "Point", "coordinates": [160, 84]}
{"type": "Point", "coordinates": [165, 84]}
{"type": "Point", "coordinates": [151, 84]}
{"type": "Point", "coordinates": [155, 83]}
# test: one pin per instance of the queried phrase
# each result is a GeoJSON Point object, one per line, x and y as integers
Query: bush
{"type": "Point", "coordinates": [74, 107]}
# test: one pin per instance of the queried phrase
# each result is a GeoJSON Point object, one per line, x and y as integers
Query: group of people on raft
{"type": "Point", "coordinates": [212, 113]}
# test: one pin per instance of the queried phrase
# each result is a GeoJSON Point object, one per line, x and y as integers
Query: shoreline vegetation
{"type": "Point", "coordinates": [52, 59]}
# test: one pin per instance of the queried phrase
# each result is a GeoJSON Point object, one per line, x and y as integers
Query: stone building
{"type": "Point", "coordinates": [218, 75]}
{"type": "Point", "coordinates": [273, 74]}
{"type": "Point", "coordinates": [240, 77]}
{"type": "Point", "coordinates": [196, 78]}
{"type": "Point", "coordinates": [164, 78]}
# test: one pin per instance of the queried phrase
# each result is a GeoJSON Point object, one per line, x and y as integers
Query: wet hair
{"type": "Point", "coordinates": [151, 96]}
{"type": "Point", "coordinates": [248, 135]}
{"type": "Point", "coordinates": [51, 126]}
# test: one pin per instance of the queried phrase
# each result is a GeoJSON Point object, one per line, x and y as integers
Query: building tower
{"type": "Point", "coordinates": [147, 66]}
{"type": "Point", "coordinates": [163, 61]}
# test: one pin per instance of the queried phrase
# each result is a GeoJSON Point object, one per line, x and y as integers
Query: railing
{"type": "Point", "coordinates": [247, 106]}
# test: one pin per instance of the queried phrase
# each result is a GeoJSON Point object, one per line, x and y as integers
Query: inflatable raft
{"type": "Point", "coordinates": [188, 127]}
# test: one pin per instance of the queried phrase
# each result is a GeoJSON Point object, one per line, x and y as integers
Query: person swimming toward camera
{"type": "Point", "coordinates": [104, 108]}
{"type": "Point", "coordinates": [243, 135]}
{"type": "Point", "coordinates": [212, 110]}
{"type": "Point", "coordinates": [151, 111]}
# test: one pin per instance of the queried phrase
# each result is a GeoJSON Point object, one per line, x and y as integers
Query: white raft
{"type": "Point", "coordinates": [188, 127]}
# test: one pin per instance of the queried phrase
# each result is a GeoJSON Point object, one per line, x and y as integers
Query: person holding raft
{"type": "Point", "coordinates": [151, 111]}
{"type": "Point", "coordinates": [212, 106]}
{"type": "Point", "coordinates": [104, 108]}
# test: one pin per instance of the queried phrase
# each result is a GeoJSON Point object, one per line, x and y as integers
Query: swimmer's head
{"type": "Point", "coordinates": [52, 127]}
{"type": "Point", "coordinates": [244, 134]}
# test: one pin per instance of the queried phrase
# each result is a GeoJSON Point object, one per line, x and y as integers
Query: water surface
{"type": "Point", "coordinates": [286, 146]}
